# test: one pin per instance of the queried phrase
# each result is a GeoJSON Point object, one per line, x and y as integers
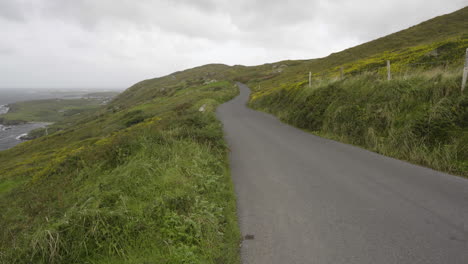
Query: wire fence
{"type": "Point", "coordinates": [338, 73]}
{"type": "Point", "coordinates": [389, 71]}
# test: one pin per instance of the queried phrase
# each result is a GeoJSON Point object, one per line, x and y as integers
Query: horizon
{"type": "Point", "coordinates": [64, 89]}
{"type": "Point", "coordinates": [98, 45]}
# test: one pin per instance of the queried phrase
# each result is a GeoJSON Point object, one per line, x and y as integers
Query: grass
{"type": "Point", "coordinates": [154, 187]}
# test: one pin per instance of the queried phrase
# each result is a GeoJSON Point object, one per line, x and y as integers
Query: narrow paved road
{"type": "Point", "coordinates": [306, 199]}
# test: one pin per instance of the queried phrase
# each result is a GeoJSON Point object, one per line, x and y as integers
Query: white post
{"type": "Point", "coordinates": [465, 72]}
{"type": "Point", "coordinates": [389, 73]}
{"type": "Point", "coordinates": [46, 132]}
{"type": "Point", "coordinates": [310, 79]}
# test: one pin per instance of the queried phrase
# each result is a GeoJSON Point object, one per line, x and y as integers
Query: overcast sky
{"type": "Point", "coordinates": [115, 43]}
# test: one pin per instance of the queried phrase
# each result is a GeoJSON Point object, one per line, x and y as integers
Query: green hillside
{"type": "Point", "coordinates": [145, 178]}
{"type": "Point", "coordinates": [434, 30]}
{"type": "Point", "coordinates": [142, 179]}
{"type": "Point", "coordinates": [413, 44]}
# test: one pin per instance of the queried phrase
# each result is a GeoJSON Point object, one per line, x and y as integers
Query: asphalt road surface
{"type": "Point", "coordinates": [305, 199]}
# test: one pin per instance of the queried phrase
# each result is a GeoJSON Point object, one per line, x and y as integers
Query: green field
{"type": "Point", "coordinates": [48, 110]}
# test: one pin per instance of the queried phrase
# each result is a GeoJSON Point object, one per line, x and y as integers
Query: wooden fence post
{"type": "Point", "coordinates": [389, 73]}
{"type": "Point", "coordinates": [465, 72]}
{"type": "Point", "coordinates": [310, 79]}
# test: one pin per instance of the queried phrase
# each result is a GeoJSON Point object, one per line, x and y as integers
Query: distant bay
{"type": "Point", "coordinates": [4, 109]}
{"type": "Point", "coordinates": [10, 135]}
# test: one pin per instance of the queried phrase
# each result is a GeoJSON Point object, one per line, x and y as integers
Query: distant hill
{"type": "Point", "coordinates": [110, 94]}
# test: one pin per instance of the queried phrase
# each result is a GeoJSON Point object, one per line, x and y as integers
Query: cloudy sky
{"type": "Point", "coordinates": [115, 43]}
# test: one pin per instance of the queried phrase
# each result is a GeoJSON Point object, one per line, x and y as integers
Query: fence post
{"type": "Point", "coordinates": [465, 72]}
{"type": "Point", "coordinates": [389, 73]}
{"type": "Point", "coordinates": [341, 73]}
{"type": "Point", "coordinates": [310, 79]}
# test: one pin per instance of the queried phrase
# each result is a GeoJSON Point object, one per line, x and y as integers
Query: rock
{"type": "Point", "coordinates": [202, 108]}
{"type": "Point", "coordinates": [280, 68]}
{"type": "Point", "coordinates": [433, 53]}
{"type": "Point", "coordinates": [23, 137]}
{"type": "Point", "coordinates": [4, 109]}
{"type": "Point", "coordinates": [209, 81]}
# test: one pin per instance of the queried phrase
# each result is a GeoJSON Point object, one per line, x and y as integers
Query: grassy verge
{"type": "Point", "coordinates": [421, 118]}
{"type": "Point", "coordinates": [151, 186]}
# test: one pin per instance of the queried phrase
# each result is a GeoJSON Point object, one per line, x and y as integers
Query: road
{"type": "Point", "coordinates": [305, 199]}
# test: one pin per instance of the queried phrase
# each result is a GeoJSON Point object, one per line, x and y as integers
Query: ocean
{"type": "Point", "coordinates": [10, 135]}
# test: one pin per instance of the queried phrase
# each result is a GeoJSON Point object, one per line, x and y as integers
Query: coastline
{"type": "Point", "coordinates": [11, 136]}
{"type": "Point", "coordinates": [4, 109]}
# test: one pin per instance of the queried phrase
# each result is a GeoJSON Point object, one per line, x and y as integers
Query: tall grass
{"type": "Point", "coordinates": [158, 191]}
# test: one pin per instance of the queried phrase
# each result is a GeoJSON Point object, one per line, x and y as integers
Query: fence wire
{"type": "Point", "coordinates": [378, 69]}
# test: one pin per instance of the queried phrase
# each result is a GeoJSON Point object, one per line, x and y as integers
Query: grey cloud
{"type": "Point", "coordinates": [260, 14]}
{"type": "Point", "coordinates": [12, 10]}
{"type": "Point", "coordinates": [200, 18]}
{"type": "Point", "coordinates": [4, 51]}
{"type": "Point", "coordinates": [203, 5]}
{"type": "Point", "coordinates": [104, 43]}
{"type": "Point", "coordinates": [142, 15]}
{"type": "Point", "coordinates": [367, 20]}
{"type": "Point", "coordinates": [274, 13]}
{"type": "Point", "coordinates": [89, 14]}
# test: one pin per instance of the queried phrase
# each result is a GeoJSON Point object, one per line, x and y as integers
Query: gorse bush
{"type": "Point", "coordinates": [420, 118]}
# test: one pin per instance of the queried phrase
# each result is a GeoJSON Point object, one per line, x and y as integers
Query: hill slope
{"type": "Point", "coordinates": [434, 30]}
{"type": "Point", "coordinates": [443, 31]}
{"type": "Point", "coordinates": [142, 179]}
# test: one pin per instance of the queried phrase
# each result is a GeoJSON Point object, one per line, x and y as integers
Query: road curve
{"type": "Point", "coordinates": [305, 199]}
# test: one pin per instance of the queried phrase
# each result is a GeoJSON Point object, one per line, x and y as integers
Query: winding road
{"type": "Point", "coordinates": [305, 199]}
